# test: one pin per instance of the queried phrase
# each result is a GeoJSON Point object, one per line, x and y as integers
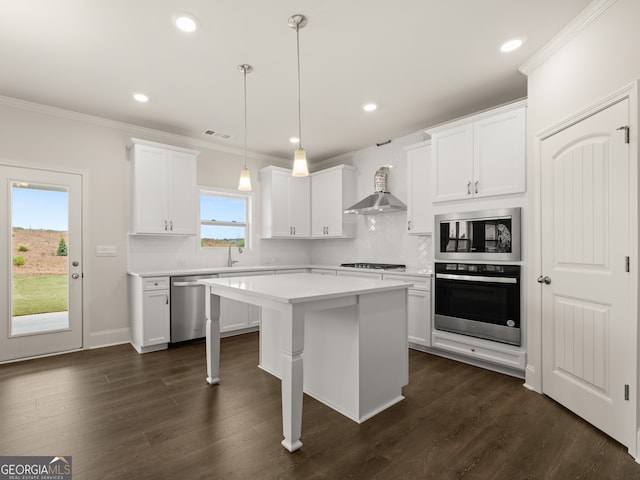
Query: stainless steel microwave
{"type": "Point", "coordinates": [481, 235]}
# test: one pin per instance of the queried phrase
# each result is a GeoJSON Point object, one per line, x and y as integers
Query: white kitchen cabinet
{"type": "Point", "coordinates": [481, 155]}
{"type": "Point", "coordinates": [235, 315]}
{"type": "Point", "coordinates": [286, 204]}
{"type": "Point", "coordinates": [149, 311]}
{"type": "Point", "coordinates": [418, 309]}
{"type": "Point", "coordinates": [419, 201]}
{"type": "Point", "coordinates": [164, 189]}
{"type": "Point", "coordinates": [332, 191]}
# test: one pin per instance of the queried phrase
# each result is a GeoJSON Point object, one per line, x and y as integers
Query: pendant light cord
{"type": "Point", "coordinates": [299, 102]}
{"type": "Point", "coordinates": [245, 118]}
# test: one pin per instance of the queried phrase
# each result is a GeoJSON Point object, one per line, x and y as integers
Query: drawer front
{"type": "Point", "coordinates": [246, 274]}
{"type": "Point", "coordinates": [323, 271]}
{"type": "Point", "coordinates": [349, 273]}
{"type": "Point", "coordinates": [292, 270]}
{"type": "Point", "coordinates": [155, 283]}
{"type": "Point", "coordinates": [498, 355]}
{"type": "Point", "coordinates": [423, 283]}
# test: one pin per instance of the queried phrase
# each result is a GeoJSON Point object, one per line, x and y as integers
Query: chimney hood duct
{"type": "Point", "coordinates": [379, 202]}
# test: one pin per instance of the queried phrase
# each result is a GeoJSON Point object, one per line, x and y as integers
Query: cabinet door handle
{"type": "Point", "coordinates": [409, 225]}
{"type": "Point", "coordinates": [468, 188]}
{"type": "Point", "coordinates": [165, 226]}
{"type": "Point", "coordinates": [166, 299]}
{"type": "Point", "coordinates": [476, 186]}
{"type": "Point", "coordinates": [294, 231]}
{"type": "Point", "coordinates": [290, 230]}
{"type": "Point", "coordinates": [171, 225]}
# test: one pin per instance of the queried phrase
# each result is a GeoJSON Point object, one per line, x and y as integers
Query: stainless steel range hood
{"type": "Point", "coordinates": [379, 202]}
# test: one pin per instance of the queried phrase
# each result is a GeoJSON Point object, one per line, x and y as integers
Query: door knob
{"type": "Point", "coordinates": [546, 279]}
{"type": "Point", "coordinates": [75, 263]}
{"type": "Point", "coordinates": [75, 276]}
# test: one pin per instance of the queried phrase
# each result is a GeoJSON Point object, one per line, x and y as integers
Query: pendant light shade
{"type": "Point", "coordinates": [245, 180]}
{"type": "Point", "coordinates": [300, 168]}
{"type": "Point", "coordinates": [245, 176]}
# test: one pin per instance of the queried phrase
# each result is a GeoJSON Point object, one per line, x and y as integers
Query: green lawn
{"type": "Point", "coordinates": [39, 294]}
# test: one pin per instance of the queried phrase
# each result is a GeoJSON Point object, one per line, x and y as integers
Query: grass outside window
{"type": "Point", "coordinates": [39, 294]}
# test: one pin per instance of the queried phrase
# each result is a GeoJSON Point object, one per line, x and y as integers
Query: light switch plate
{"type": "Point", "coordinates": [105, 250]}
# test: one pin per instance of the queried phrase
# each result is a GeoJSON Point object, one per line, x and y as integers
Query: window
{"type": "Point", "coordinates": [224, 218]}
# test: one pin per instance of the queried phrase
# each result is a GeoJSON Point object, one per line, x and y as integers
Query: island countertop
{"type": "Point", "coordinates": [301, 287]}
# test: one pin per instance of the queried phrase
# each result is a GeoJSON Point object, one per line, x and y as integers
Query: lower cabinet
{"type": "Point", "coordinates": [418, 309]}
{"type": "Point", "coordinates": [149, 312]}
{"type": "Point", "coordinates": [236, 316]}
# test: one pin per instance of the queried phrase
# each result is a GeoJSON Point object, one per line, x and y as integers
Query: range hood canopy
{"type": "Point", "coordinates": [379, 202]}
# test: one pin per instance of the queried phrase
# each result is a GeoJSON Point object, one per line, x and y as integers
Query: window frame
{"type": "Point", "coordinates": [249, 220]}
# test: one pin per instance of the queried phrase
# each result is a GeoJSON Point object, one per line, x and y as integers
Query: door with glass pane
{"type": "Point", "coordinates": [40, 268]}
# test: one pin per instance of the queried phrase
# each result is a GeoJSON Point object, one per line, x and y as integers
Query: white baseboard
{"type": "Point", "coordinates": [107, 338]}
{"type": "Point", "coordinates": [531, 380]}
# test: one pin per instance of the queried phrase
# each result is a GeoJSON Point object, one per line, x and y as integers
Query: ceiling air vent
{"type": "Point", "coordinates": [213, 133]}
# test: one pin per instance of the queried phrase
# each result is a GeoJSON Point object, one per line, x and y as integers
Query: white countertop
{"type": "Point", "coordinates": [176, 272]}
{"type": "Point", "coordinates": [302, 287]}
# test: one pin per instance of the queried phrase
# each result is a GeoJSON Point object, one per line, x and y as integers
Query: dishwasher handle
{"type": "Point", "coordinates": [187, 284]}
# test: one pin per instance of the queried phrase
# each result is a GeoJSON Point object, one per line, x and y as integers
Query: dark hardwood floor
{"type": "Point", "coordinates": [121, 415]}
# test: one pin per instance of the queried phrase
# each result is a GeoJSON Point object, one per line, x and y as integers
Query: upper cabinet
{"type": "Point", "coordinates": [286, 203]}
{"type": "Point", "coordinates": [480, 156]}
{"type": "Point", "coordinates": [164, 189]}
{"type": "Point", "coordinates": [419, 208]}
{"type": "Point", "coordinates": [332, 191]}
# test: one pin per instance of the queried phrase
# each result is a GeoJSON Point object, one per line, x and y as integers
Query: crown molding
{"type": "Point", "coordinates": [573, 28]}
{"type": "Point", "coordinates": [129, 128]}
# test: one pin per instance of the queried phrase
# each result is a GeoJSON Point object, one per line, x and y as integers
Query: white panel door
{"type": "Point", "coordinates": [587, 333]}
{"type": "Point", "coordinates": [41, 262]}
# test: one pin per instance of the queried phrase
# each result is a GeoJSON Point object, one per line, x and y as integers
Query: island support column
{"type": "Point", "coordinates": [292, 375]}
{"type": "Point", "coordinates": [212, 309]}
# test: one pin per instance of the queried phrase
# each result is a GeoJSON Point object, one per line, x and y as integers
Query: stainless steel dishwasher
{"type": "Point", "coordinates": [187, 308]}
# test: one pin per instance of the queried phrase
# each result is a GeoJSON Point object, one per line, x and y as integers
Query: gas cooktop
{"type": "Point", "coordinates": [375, 266]}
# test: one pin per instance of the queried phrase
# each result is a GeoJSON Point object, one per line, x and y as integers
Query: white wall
{"type": "Point", "coordinates": [379, 238]}
{"type": "Point", "coordinates": [598, 61]}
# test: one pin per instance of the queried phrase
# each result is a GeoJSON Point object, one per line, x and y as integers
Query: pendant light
{"type": "Point", "coordinates": [300, 168]}
{"type": "Point", "coordinates": [245, 176]}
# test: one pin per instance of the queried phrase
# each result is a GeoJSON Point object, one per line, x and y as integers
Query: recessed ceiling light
{"type": "Point", "coordinates": [294, 140]}
{"type": "Point", "coordinates": [140, 97]}
{"type": "Point", "coordinates": [369, 107]}
{"type": "Point", "coordinates": [511, 45]}
{"type": "Point", "coordinates": [186, 23]}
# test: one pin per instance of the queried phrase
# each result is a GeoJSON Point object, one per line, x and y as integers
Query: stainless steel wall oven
{"type": "Point", "coordinates": [480, 300]}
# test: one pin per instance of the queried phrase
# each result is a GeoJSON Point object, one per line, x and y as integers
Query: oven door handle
{"type": "Point", "coordinates": [476, 278]}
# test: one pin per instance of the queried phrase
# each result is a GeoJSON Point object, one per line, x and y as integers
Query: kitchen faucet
{"type": "Point", "coordinates": [230, 261]}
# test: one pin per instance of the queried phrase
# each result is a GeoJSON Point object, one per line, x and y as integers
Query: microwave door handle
{"type": "Point", "coordinates": [476, 278]}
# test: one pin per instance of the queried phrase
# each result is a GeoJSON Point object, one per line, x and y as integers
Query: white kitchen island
{"type": "Point", "coordinates": [353, 332]}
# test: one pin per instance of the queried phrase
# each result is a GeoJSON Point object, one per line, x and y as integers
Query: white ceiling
{"type": "Point", "coordinates": [422, 61]}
